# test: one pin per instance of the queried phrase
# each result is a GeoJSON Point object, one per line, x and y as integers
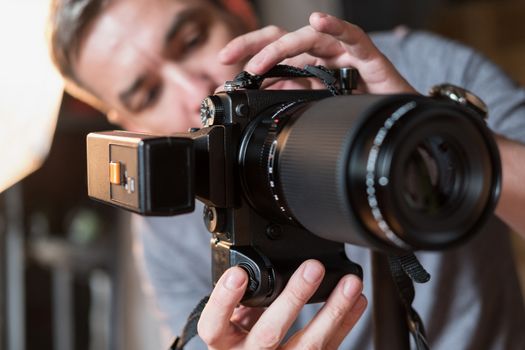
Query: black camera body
{"type": "Point", "coordinates": [290, 175]}
{"type": "Point", "coordinates": [254, 230]}
{"type": "Point", "coordinates": [169, 172]}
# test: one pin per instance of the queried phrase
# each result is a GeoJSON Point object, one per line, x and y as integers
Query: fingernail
{"type": "Point", "coordinates": [351, 287]}
{"type": "Point", "coordinates": [361, 303]}
{"type": "Point", "coordinates": [234, 280]}
{"type": "Point", "coordinates": [321, 14]}
{"type": "Point", "coordinates": [312, 272]}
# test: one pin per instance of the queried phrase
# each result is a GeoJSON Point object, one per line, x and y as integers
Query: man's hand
{"type": "Point", "coordinates": [327, 41]}
{"type": "Point", "coordinates": [224, 326]}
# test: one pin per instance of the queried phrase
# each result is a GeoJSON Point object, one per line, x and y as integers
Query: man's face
{"type": "Point", "coordinates": [154, 61]}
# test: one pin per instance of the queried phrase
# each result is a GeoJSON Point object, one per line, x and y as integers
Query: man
{"type": "Point", "coordinates": [149, 63]}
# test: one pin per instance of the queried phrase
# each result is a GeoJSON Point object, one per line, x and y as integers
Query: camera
{"type": "Point", "coordinates": [289, 175]}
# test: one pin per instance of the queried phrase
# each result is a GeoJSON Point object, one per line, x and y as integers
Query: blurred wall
{"type": "Point", "coordinates": [370, 15]}
{"type": "Point", "coordinates": [496, 28]}
{"type": "Point", "coordinates": [293, 14]}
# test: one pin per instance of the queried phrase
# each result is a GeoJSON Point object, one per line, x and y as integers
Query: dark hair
{"type": "Point", "coordinates": [68, 22]}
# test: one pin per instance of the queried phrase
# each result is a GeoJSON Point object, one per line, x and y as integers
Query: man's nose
{"type": "Point", "coordinates": [193, 86]}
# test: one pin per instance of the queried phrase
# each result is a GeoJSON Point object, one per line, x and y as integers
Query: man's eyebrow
{"type": "Point", "coordinates": [182, 18]}
{"type": "Point", "coordinates": [126, 95]}
{"type": "Point", "coordinates": [179, 21]}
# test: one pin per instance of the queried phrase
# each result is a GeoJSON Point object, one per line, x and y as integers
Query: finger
{"type": "Point", "coordinates": [354, 39]}
{"type": "Point", "coordinates": [348, 323]}
{"type": "Point", "coordinates": [379, 75]}
{"type": "Point", "coordinates": [249, 44]}
{"type": "Point", "coordinates": [214, 326]}
{"type": "Point", "coordinates": [302, 60]}
{"type": "Point", "coordinates": [271, 328]}
{"type": "Point", "coordinates": [246, 317]}
{"type": "Point", "coordinates": [292, 44]}
{"type": "Point", "coordinates": [327, 322]}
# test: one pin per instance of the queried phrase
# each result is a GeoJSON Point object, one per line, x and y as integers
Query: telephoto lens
{"type": "Point", "coordinates": [394, 173]}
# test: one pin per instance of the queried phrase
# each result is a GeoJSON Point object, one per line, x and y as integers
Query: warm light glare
{"type": "Point", "coordinates": [30, 89]}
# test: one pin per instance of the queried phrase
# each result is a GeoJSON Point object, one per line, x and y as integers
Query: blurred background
{"type": "Point", "coordinates": [67, 278]}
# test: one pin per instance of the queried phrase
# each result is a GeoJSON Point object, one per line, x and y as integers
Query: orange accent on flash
{"type": "Point", "coordinates": [114, 173]}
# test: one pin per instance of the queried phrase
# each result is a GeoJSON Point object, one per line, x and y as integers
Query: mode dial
{"type": "Point", "coordinates": [212, 111]}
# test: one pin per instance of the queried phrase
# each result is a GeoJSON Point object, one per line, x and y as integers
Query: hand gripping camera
{"type": "Point", "coordinates": [289, 175]}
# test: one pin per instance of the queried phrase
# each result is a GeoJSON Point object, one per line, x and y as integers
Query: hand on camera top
{"type": "Point", "coordinates": [223, 325]}
{"type": "Point", "coordinates": [327, 41]}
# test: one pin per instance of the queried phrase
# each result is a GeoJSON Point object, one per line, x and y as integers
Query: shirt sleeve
{"type": "Point", "coordinates": [173, 254]}
{"type": "Point", "coordinates": [426, 59]}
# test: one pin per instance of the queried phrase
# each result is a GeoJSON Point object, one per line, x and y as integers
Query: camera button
{"type": "Point", "coordinates": [115, 176]}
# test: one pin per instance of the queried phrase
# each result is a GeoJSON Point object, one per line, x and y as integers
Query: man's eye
{"type": "Point", "coordinates": [192, 42]}
{"type": "Point", "coordinates": [151, 96]}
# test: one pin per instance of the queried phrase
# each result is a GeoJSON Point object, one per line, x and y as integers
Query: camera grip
{"type": "Point", "coordinates": [267, 279]}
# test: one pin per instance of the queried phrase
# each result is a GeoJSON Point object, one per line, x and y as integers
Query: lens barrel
{"type": "Point", "coordinates": [395, 173]}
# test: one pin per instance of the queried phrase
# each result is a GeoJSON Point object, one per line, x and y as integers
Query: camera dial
{"type": "Point", "coordinates": [212, 111]}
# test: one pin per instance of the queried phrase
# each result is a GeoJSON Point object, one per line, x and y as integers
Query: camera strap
{"type": "Point", "coordinates": [338, 82]}
{"type": "Point", "coordinates": [406, 270]}
{"type": "Point", "coordinates": [190, 328]}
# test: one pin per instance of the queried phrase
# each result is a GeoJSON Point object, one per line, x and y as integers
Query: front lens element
{"type": "Point", "coordinates": [432, 174]}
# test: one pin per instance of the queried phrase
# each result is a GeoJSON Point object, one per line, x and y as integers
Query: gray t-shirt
{"type": "Point", "coordinates": [473, 300]}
